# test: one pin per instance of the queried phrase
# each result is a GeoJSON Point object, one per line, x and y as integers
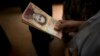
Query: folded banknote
{"type": "Point", "coordinates": [40, 20]}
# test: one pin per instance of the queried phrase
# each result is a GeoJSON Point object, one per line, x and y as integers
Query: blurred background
{"type": "Point", "coordinates": [15, 37]}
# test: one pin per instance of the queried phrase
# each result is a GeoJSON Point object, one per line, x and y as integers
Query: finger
{"type": "Point", "coordinates": [71, 24]}
{"type": "Point", "coordinates": [58, 25]}
{"type": "Point", "coordinates": [63, 24]}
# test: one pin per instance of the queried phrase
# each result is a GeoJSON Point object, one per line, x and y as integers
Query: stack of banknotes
{"type": "Point", "coordinates": [40, 20]}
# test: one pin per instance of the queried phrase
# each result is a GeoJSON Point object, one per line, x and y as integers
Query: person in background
{"type": "Point", "coordinates": [82, 23]}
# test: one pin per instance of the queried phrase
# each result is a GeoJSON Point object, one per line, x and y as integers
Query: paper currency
{"type": "Point", "coordinates": [40, 20]}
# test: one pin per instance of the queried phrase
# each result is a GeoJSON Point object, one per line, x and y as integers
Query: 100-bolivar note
{"type": "Point", "coordinates": [40, 20]}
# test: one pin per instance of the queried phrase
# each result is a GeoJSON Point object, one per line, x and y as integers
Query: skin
{"type": "Point", "coordinates": [70, 26]}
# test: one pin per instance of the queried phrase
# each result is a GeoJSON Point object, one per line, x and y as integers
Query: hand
{"type": "Point", "coordinates": [70, 26]}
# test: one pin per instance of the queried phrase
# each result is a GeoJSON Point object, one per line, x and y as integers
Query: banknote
{"type": "Point", "coordinates": [40, 20]}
